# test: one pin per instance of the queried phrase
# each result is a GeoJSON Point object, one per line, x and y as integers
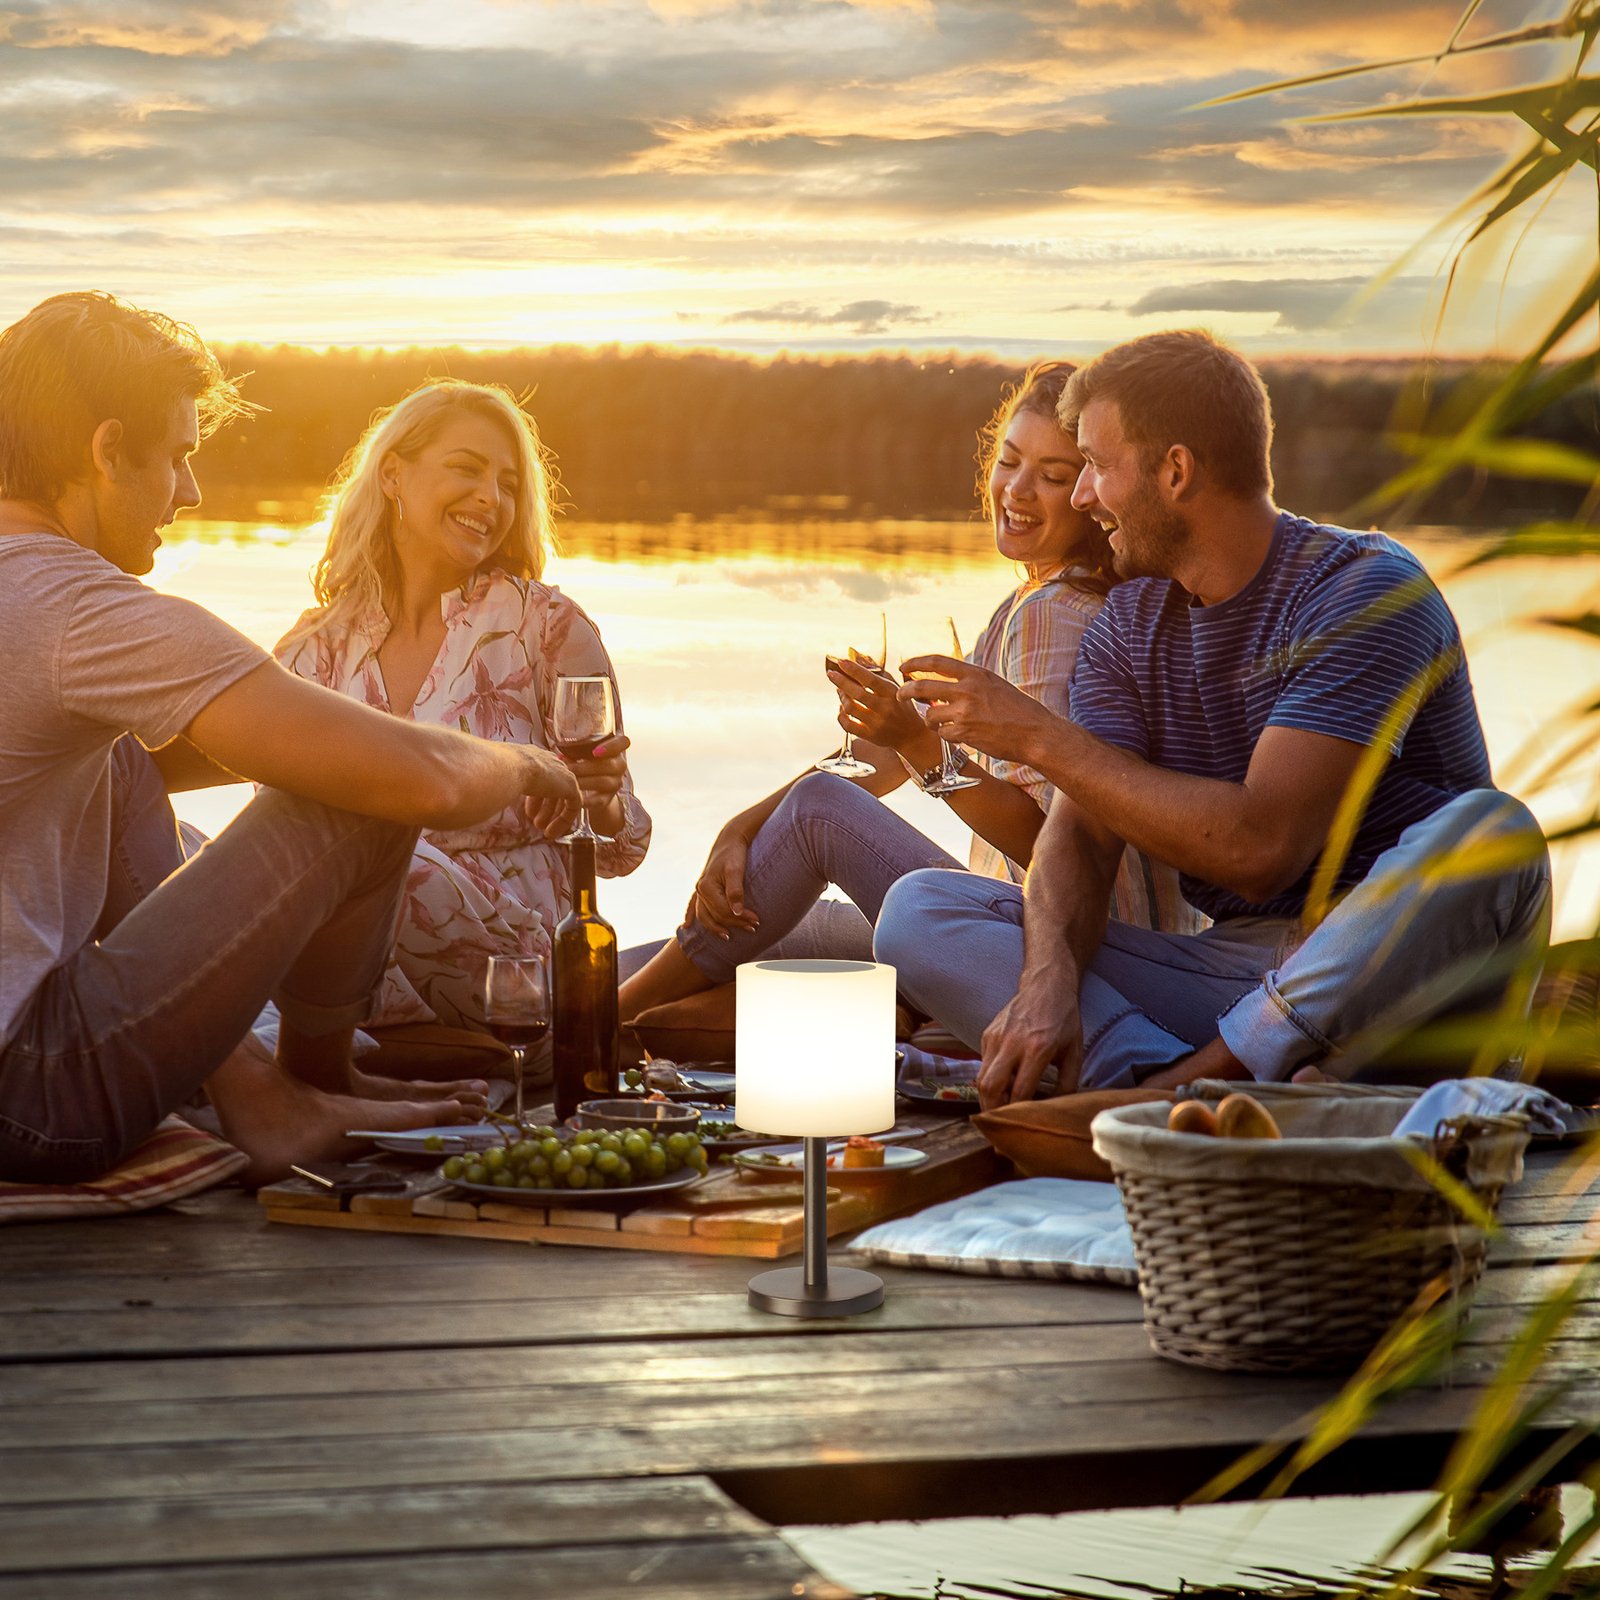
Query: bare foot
{"type": "Point", "coordinates": [369, 1086]}
{"type": "Point", "coordinates": [277, 1120]}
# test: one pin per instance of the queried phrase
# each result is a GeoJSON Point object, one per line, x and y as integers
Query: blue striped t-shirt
{"type": "Point", "coordinates": [1338, 633]}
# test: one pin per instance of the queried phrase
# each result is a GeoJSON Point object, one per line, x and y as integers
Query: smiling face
{"type": "Point", "coordinates": [1030, 489]}
{"type": "Point", "coordinates": [1122, 493]}
{"type": "Point", "coordinates": [143, 490]}
{"type": "Point", "coordinates": [456, 499]}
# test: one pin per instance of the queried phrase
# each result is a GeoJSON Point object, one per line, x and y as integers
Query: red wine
{"type": "Point", "coordinates": [584, 969]}
{"type": "Point", "coordinates": [524, 1031]}
{"type": "Point", "coordinates": [578, 749]}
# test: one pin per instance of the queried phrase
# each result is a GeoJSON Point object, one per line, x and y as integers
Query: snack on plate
{"type": "Point", "coordinates": [942, 1089]}
{"type": "Point", "coordinates": [663, 1075]}
{"type": "Point", "coordinates": [860, 1151]}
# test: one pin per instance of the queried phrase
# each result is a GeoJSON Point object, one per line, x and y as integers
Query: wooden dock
{"type": "Point", "coordinates": [198, 1403]}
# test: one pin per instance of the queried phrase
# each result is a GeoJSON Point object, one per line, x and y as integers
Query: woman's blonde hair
{"type": "Point", "coordinates": [359, 567]}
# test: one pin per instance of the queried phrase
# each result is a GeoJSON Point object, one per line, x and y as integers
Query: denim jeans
{"type": "Point", "coordinates": [826, 830]}
{"type": "Point", "coordinates": [1401, 947]}
{"type": "Point", "coordinates": [294, 901]}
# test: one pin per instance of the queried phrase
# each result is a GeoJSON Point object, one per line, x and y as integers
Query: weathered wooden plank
{"type": "Point", "coordinates": [748, 1568]}
{"type": "Point", "coordinates": [355, 1522]}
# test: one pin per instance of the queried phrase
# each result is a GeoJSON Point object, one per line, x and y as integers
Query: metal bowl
{"type": "Point", "coordinates": [655, 1117]}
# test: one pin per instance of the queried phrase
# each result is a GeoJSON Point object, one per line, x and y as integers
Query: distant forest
{"type": "Point", "coordinates": [645, 435]}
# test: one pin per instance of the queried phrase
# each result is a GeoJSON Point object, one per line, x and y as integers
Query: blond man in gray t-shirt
{"type": "Point", "coordinates": [126, 983]}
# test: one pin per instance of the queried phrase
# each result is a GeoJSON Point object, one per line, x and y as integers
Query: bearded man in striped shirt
{"type": "Point", "coordinates": [1277, 708]}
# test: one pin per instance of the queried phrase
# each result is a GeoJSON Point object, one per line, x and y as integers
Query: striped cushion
{"type": "Point", "coordinates": [175, 1161]}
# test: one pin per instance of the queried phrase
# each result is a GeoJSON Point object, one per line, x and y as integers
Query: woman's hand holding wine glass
{"type": "Point", "coordinates": [582, 724]}
{"type": "Point", "coordinates": [846, 764]}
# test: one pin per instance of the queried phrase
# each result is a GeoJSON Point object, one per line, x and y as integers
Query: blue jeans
{"type": "Point", "coordinates": [826, 830]}
{"type": "Point", "coordinates": [293, 901]}
{"type": "Point", "coordinates": [1397, 950]}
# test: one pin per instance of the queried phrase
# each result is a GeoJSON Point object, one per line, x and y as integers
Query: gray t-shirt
{"type": "Point", "coordinates": [89, 654]}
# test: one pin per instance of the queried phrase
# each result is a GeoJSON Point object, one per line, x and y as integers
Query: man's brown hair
{"type": "Point", "coordinates": [77, 360]}
{"type": "Point", "coordinates": [1183, 388]}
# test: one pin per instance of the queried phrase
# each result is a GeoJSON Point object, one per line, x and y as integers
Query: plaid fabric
{"type": "Point", "coordinates": [175, 1161]}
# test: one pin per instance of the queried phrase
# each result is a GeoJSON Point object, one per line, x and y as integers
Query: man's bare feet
{"type": "Point", "coordinates": [472, 1092]}
{"type": "Point", "coordinates": [278, 1120]}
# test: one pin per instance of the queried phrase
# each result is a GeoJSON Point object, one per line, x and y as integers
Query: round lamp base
{"type": "Point", "coordinates": [845, 1293]}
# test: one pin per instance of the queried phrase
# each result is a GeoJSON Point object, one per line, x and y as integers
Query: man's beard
{"type": "Point", "coordinates": [1152, 537]}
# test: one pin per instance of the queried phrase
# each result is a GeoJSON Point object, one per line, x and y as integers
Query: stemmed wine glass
{"type": "Point", "coordinates": [950, 778]}
{"type": "Point", "coordinates": [846, 764]}
{"type": "Point", "coordinates": [516, 1007]}
{"type": "Point", "coordinates": [585, 714]}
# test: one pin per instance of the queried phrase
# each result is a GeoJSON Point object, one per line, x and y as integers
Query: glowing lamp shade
{"type": "Point", "coordinates": [815, 1047]}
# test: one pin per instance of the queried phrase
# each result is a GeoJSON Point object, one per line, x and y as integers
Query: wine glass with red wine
{"type": "Point", "coordinates": [516, 1007]}
{"type": "Point", "coordinates": [585, 715]}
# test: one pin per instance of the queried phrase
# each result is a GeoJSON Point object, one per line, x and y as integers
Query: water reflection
{"type": "Point", "coordinates": [718, 628]}
{"type": "Point", "coordinates": [1327, 1547]}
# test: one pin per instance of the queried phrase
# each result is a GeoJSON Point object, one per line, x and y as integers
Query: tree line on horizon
{"type": "Point", "coordinates": [650, 434]}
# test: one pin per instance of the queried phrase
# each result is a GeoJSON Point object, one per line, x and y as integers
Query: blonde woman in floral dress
{"type": "Point", "coordinates": [431, 606]}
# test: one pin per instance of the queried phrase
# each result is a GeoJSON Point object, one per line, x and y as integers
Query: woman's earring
{"type": "Point", "coordinates": [400, 511]}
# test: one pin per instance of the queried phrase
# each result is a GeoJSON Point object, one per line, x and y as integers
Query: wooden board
{"type": "Point", "coordinates": [727, 1213]}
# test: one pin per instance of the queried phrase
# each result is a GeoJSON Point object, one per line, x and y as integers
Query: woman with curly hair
{"type": "Point", "coordinates": [432, 606]}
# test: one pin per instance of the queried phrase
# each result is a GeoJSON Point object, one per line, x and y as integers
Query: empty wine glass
{"type": "Point", "coordinates": [585, 714]}
{"type": "Point", "coordinates": [950, 778]}
{"type": "Point", "coordinates": [516, 1008]}
{"type": "Point", "coordinates": [846, 764]}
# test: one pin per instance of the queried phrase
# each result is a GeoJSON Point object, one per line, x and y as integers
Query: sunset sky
{"type": "Point", "coordinates": [1006, 175]}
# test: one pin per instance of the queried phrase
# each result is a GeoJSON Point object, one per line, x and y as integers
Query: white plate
{"type": "Point", "coordinates": [781, 1160]}
{"type": "Point", "coordinates": [454, 1141]}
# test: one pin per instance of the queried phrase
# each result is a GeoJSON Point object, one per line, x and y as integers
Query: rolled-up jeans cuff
{"type": "Point", "coordinates": [315, 1020]}
{"type": "Point", "coordinates": [1267, 1034]}
{"type": "Point", "coordinates": [703, 950]}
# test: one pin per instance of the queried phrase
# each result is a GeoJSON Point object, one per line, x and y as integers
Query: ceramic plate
{"type": "Point", "coordinates": [681, 1179]}
{"type": "Point", "coordinates": [454, 1141]}
{"type": "Point", "coordinates": [936, 1096]}
{"type": "Point", "coordinates": [784, 1160]}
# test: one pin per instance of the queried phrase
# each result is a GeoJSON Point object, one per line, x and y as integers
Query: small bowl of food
{"type": "Point", "coordinates": [655, 1117]}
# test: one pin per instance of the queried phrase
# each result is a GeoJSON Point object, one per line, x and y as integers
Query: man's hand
{"type": "Point", "coordinates": [550, 802]}
{"type": "Point", "coordinates": [870, 706]}
{"type": "Point", "coordinates": [717, 902]}
{"type": "Point", "coordinates": [972, 706]}
{"type": "Point", "coordinates": [1038, 1026]}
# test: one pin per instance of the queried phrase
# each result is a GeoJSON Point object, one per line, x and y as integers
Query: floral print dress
{"type": "Point", "coordinates": [498, 887]}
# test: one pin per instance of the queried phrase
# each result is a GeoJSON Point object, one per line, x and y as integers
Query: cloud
{"type": "Point", "coordinates": [1301, 304]}
{"type": "Point", "coordinates": [863, 316]}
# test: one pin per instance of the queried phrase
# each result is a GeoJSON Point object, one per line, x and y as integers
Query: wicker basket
{"type": "Point", "coordinates": [1296, 1255]}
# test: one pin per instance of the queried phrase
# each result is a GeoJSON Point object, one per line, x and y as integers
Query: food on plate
{"type": "Point", "coordinates": [559, 1158]}
{"type": "Point", "coordinates": [860, 1151]}
{"type": "Point", "coordinates": [1191, 1116]}
{"type": "Point", "coordinates": [943, 1089]}
{"type": "Point", "coordinates": [1240, 1117]}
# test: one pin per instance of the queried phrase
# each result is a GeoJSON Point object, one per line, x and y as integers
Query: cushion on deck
{"type": "Point", "coordinates": [175, 1161]}
{"type": "Point", "coordinates": [1033, 1228]}
{"type": "Point", "coordinates": [697, 1028]}
{"type": "Point", "coordinates": [1050, 1138]}
{"type": "Point", "coordinates": [422, 1050]}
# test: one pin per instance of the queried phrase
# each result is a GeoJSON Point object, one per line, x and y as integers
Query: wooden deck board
{"type": "Point", "coordinates": [196, 1402]}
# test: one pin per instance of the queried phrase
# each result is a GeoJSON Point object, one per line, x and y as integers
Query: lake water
{"type": "Point", "coordinates": [718, 630]}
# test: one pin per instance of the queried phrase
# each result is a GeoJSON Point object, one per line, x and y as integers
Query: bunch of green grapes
{"type": "Point", "coordinates": [558, 1158]}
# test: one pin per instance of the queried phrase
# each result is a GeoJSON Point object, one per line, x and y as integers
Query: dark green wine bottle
{"type": "Point", "coordinates": [584, 968]}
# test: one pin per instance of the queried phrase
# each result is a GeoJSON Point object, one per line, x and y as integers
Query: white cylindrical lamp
{"type": "Point", "coordinates": [815, 1050]}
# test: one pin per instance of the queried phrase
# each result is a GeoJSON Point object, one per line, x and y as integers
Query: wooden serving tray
{"type": "Point", "coordinates": [726, 1214]}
